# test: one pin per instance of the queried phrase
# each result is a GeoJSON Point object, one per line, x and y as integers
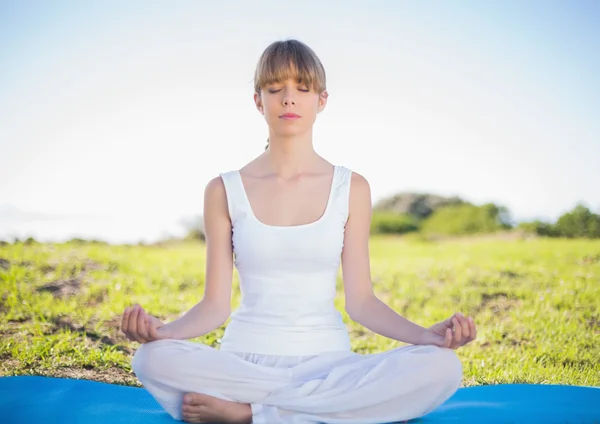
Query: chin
{"type": "Point", "coordinates": [291, 133]}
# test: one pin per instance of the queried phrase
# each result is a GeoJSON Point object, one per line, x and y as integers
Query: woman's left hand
{"type": "Point", "coordinates": [452, 333]}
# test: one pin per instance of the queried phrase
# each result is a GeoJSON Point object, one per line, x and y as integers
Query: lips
{"type": "Point", "coordinates": [289, 116]}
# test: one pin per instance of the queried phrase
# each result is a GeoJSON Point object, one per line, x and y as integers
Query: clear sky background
{"type": "Point", "coordinates": [127, 109]}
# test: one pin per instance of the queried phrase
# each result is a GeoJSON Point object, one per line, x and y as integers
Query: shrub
{"type": "Point", "coordinates": [467, 219]}
{"type": "Point", "coordinates": [386, 222]}
{"type": "Point", "coordinates": [194, 228]}
{"type": "Point", "coordinates": [538, 227]}
{"type": "Point", "coordinates": [580, 222]}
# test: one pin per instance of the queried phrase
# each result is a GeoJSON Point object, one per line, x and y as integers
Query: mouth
{"type": "Point", "coordinates": [289, 116]}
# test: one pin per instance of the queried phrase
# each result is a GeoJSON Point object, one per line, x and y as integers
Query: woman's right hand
{"type": "Point", "coordinates": [141, 327]}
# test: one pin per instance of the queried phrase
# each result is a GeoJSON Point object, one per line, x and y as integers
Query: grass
{"type": "Point", "coordinates": [535, 302]}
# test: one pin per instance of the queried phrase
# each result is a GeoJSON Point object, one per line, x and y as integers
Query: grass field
{"type": "Point", "coordinates": [536, 303]}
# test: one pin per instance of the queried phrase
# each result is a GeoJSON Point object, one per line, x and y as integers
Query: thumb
{"type": "Point", "coordinates": [448, 338]}
{"type": "Point", "coordinates": [152, 328]}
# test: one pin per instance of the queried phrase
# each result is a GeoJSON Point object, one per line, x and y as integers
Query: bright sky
{"type": "Point", "coordinates": [111, 107]}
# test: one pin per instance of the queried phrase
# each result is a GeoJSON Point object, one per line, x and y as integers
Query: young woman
{"type": "Point", "coordinates": [286, 220]}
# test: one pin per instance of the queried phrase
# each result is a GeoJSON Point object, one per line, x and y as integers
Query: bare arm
{"type": "Point", "coordinates": [214, 308]}
{"type": "Point", "coordinates": [362, 304]}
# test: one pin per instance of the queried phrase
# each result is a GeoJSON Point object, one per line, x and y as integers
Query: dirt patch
{"type": "Point", "coordinates": [111, 375]}
{"type": "Point", "coordinates": [114, 322]}
{"type": "Point", "coordinates": [8, 365]}
{"type": "Point", "coordinates": [47, 268]}
{"type": "Point", "coordinates": [62, 288]}
{"type": "Point", "coordinates": [590, 259]}
{"type": "Point", "coordinates": [91, 265]}
{"type": "Point", "coordinates": [360, 334]}
{"type": "Point", "coordinates": [509, 274]}
{"type": "Point", "coordinates": [13, 328]}
{"type": "Point", "coordinates": [97, 297]}
{"type": "Point", "coordinates": [3, 307]}
{"type": "Point", "coordinates": [72, 286]}
{"type": "Point", "coordinates": [508, 341]}
{"type": "Point", "coordinates": [594, 324]}
{"type": "Point", "coordinates": [4, 264]}
{"type": "Point", "coordinates": [498, 303]}
{"type": "Point", "coordinates": [113, 338]}
{"type": "Point", "coordinates": [86, 265]}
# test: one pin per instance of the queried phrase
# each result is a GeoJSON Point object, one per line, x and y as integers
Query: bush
{"type": "Point", "coordinates": [384, 222]}
{"type": "Point", "coordinates": [417, 205]}
{"type": "Point", "coordinates": [538, 227]}
{"type": "Point", "coordinates": [580, 222]}
{"type": "Point", "coordinates": [467, 219]}
{"type": "Point", "coordinates": [194, 228]}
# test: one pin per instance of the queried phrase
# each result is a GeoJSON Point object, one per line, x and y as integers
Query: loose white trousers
{"type": "Point", "coordinates": [333, 387]}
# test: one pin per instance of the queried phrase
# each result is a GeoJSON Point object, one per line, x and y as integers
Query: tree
{"type": "Point", "coordinates": [580, 222]}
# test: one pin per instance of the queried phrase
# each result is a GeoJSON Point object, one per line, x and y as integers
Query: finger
{"type": "Point", "coordinates": [152, 330]}
{"type": "Point", "coordinates": [125, 320]}
{"type": "Point", "coordinates": [142, 324]}
{"type": "Point", "coordinates": [133, 323]}
{"type": "Point", "coordinates": [464, 324]}
{"type": "Point", "coordinates": [127, 327]}
{"type": "Point", "coordinates": [448, 339]}
{"type": "Point", "coordinates": [448, 322]}
{"type": "Point", "coordinates": [457, 330]}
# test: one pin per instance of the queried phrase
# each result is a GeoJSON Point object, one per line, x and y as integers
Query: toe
{"type": "Point", "coordinates": [187, 398]}
{"type": "Point", "coordinates": [191, 408]}
{"type": "Point", "coordinates": [192, 399]}
{"type": "Point", "coordinates": [191, 418]}
{"type": "Point", "coordinates": [192, 413]}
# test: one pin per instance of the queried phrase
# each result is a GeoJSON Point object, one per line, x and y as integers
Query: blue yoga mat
{"type": "Point", "coordinates": [47, 400]}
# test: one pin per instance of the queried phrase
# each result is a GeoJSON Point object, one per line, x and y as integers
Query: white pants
{"type": "Point", "coordinates": [333, 387]}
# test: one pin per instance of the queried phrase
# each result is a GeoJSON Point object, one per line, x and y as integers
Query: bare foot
{"type": "Point", "coordinates": [199, 408]}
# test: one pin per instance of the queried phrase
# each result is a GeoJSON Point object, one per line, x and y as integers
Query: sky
{"type": "Point", "coordinates": [123, 111]}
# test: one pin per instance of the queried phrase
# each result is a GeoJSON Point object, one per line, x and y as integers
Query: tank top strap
{"type": "Point", "coordinates": [340, 194]}
{"type": "Point", "coordinates": [236, 196]}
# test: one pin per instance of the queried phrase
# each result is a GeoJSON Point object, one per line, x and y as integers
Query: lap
{"type": "Point", "coordinates": [194, 357]}
{"type": "Point", "coordinates": [180, 366]}
{"type": "Point", "coordinates": [184, 352]}
{"type": "Point", "coordinates": [169, 360]}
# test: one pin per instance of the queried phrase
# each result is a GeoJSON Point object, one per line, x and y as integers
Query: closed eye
{"type": "Point", "coordinates": [300, 89]}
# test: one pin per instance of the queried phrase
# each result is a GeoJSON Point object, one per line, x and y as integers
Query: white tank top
{"type": "Point", "coordinates": [287, 277]}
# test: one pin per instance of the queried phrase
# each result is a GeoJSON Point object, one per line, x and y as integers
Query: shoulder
{"type": "Point", "coordinates": [360, 189]}
{"type": "Point", "coordinates": [215, 185]}
{"type": "Point", "coordinates": [359, 205]}
{"type": "Point", "coordinates": [358, 192]}
{"type": "Point", "coordinates": [358, 181]}
{"type": "Point", "coordinates": [215, 190]}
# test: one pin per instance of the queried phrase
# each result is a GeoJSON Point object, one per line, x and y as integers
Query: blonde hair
{"type": "Point", "coordinates": [289, 59]}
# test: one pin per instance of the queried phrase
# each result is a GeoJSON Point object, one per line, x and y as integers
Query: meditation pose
{"type": "Point", "coordinates": [286, 221]}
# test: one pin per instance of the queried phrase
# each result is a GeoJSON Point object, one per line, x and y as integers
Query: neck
{"type": "Point", "coordinates": [290, 156]}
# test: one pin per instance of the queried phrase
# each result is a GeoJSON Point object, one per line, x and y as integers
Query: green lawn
{"type": "Point", "coordinates": [536, 303]}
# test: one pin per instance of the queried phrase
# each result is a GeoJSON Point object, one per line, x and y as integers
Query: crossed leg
{"type": "Point", "coordinates": [196, 383]}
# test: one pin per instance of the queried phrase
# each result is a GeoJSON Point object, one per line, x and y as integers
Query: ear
{"type": "Point", "coordinates": [323, 100]}
{"type": "Point", "coordinates": [258, 103]}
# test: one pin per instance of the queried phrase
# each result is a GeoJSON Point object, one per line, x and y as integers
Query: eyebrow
{"type": "Point", "coordinates": [281, 82]}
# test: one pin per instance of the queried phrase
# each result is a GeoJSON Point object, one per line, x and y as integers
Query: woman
{"type": "Point", "coordinates": [286, 220]}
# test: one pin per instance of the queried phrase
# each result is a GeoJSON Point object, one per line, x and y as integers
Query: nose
{"type": "Point", "coordinates": [288, 99]}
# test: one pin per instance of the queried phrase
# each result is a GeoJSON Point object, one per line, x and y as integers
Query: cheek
{"type": "Point", "coordinates": [269, 107]}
